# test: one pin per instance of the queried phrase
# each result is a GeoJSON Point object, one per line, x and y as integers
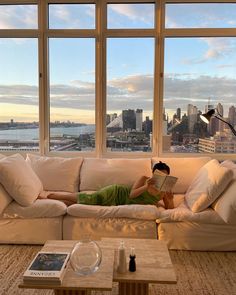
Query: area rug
{"type": "Point", "coordinates": [198, 273]}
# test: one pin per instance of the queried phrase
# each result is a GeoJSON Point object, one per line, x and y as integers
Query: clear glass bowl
{"type": "Point", "coordinates": [86, 257]}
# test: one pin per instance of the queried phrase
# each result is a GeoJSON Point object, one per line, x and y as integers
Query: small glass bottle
{"type": "Point", "coordinates": [122, 264]}
{"type": "Point", "coordinates": [132, 262]}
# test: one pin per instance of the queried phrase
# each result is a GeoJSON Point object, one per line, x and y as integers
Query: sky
{"type": "Point", "coordinates": [196, 69]}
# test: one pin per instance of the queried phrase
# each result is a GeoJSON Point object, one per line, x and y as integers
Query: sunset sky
{"type": "Point", "coordinates": [196, 69]}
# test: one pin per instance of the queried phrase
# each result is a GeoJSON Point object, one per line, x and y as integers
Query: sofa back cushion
{"type": "Point", "coordinates": [98, 173]}
{"type": "Point", "coordinates": [208, 184]}
{"type": "Point", "coordinates": [19, 179]}
{"type": "Point", "coordinates": [57, 173]}
{"type": "Point", "coordinates": [183, 168]}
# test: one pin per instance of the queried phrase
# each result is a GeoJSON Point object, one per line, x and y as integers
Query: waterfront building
{"type": "Point", "coordinates": [222, 142]}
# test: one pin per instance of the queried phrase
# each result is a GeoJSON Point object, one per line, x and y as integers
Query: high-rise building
{"type": "Point", "coordinates": [232, 115]}
{"type": "Point", "coordinates": [147, 126]}
{"type": "Point", "coordinates": [192, 113]}
{"type": "Point", "coordinates": [221, 125]}
{"type": "Point", "coordinates": [178, 113]}
{"type": "Point", "coordinates": [129, 120]}
{"type": "Point", "coordinates": [139, 119]}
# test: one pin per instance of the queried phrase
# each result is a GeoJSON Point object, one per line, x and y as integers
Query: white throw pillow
{"type": "Point", "coordinates": [225, 205]}
{"type": "Point", "coordinates": [98, 173]}
{"type": "Point", "coordinates": [209, 183]}
{"type": "Point", "coordinates": [231, 165]}
{"type": "Point", "coordinates": [19, 179]}
{"type": "Point", "coordinates": [57, 173]}
{"type": "Point", "coordinates": [5, 199]}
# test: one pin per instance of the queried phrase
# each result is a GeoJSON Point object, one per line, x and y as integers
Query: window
{"type": "Point", "coordinates": [72, 94]}
{"type": "Point", "coordinates": [130, 84]}
{"type": "Point", "coordinates": [199, 75]}
{"type": "Point", "coordinates": [19, 87]}
{"type": "Point", "coordinates": [72, 16]}
{"type": "Point", "coordinates": [132, 16]}
{"type": "Point", "coordinates": [18, 17]}
{"type": "Point", "coordinates": [105, 78]}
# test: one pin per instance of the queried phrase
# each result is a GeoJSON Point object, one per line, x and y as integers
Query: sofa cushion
{"type": "Point", "coordinates": [182, 213]}
{"type": "Point", "coordinates": [39, 209]}
{"type": "Point", "coordinates": [209, 183]}
{"type": "Point", "coordinates": [146, 212]}
{"type": "Point", "coordinates": [19, 179]}
{"type": "Point", "coordinates": [98, 173]}
{"type": "Point", "coordinates": [183, 168]}
{"type": "Point", "coordinates": [57, 173]}
{"type": "Point", "coordinates": [225, 205]}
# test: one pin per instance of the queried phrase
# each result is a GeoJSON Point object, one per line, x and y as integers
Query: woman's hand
{"type": "Point", "coordinates": [150, 181]}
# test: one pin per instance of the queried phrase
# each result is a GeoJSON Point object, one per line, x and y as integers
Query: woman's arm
{"type": "Point", "coordinates": [139, 187]}
{"type": "Point", "coordinates": [143, 184]}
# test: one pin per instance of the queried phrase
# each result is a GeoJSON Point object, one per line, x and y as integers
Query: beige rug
{"type": "Point", "coordinates": [199, 273]}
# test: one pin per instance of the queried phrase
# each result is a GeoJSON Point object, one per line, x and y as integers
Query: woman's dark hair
{"type": "Point", "coordinates": [161, 166]}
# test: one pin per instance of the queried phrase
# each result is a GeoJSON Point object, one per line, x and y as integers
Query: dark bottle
{"type": "Point", "coordinates": [132, 262]}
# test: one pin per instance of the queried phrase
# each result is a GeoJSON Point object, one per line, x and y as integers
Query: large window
{"type": "Point", "coordinates": [19, 89]}
{"type": "Point", "coordinates": [130, 84]}
{"type": "Point", "coordinates": [199, 75]}
{"type": "Point", "coordinates": [107, 78]}
{"type": "Point", "coordinates": [72, 94]}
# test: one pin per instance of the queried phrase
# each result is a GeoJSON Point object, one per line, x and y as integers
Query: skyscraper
{"type": "Point", "coordinates": [129, 120]}
{"type": "Point", "coordinates": [192, 117]}
{"type": "Point", "coordinates": [232, 115]}
{"type": "Point", "coordinates": [139, 119]}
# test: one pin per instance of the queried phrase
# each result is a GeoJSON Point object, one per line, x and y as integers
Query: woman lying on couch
{"type": "Point", "coordinates": [142, 192]}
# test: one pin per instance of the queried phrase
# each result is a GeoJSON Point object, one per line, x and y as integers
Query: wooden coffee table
{"type": "Point", "coordinates": [153, 265]}
{"type": "Point", "coordinates": [74, 284]}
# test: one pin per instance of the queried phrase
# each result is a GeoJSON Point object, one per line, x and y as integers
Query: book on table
{"type": "Point", "coordinates": [163, 181]}
{"type": "Point", "coordinates": [47, 268]}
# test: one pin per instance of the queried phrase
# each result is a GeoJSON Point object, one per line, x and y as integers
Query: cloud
{"type": "Point", "coordinates": [130, 92]}
{"type": "Point", "coordinates": [134, 12]}
{"type": "Point", "coordinates": [72, 15]}
{"type": "Point", "coordinates": [18, 16]}
{"type": "Point", "coordinates": [218, 48]}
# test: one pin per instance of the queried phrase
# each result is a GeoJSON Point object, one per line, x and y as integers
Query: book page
{"type": "Point", "coordinates": [163, 181]}
{"type": "Point", "coordinates": [168, 183]}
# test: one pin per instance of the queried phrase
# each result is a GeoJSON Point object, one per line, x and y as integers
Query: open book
{"type": "Point", "coordinates": [47, 268]}
{"type": "Point", "coordinates": [164, 182]}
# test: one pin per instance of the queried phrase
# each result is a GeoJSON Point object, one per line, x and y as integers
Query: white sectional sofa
{"type": "Point", "coordinates": [28, 220]}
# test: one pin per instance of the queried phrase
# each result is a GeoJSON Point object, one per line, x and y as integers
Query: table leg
{"type": "Point", "coordinates": [72, 292]}
{"type": "Point", "coordinates": [129, 288]}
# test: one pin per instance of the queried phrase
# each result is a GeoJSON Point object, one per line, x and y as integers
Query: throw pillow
{"type": "Point", "coordinates": [225, 205]}
{"type": "Point", "coordinates": [5, 199]}
{"type": "Point", "coordinates": [208, 184]}
{"type": "Point", "coordinates": [57, 173]}
{"type": "Point", "coordinates": [231, 165]}
{"type": "Point", "coordinates": [19, 179]}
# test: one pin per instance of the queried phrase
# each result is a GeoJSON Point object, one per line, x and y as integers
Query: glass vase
{"type": "Point", "coordinates": [86, 257]}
